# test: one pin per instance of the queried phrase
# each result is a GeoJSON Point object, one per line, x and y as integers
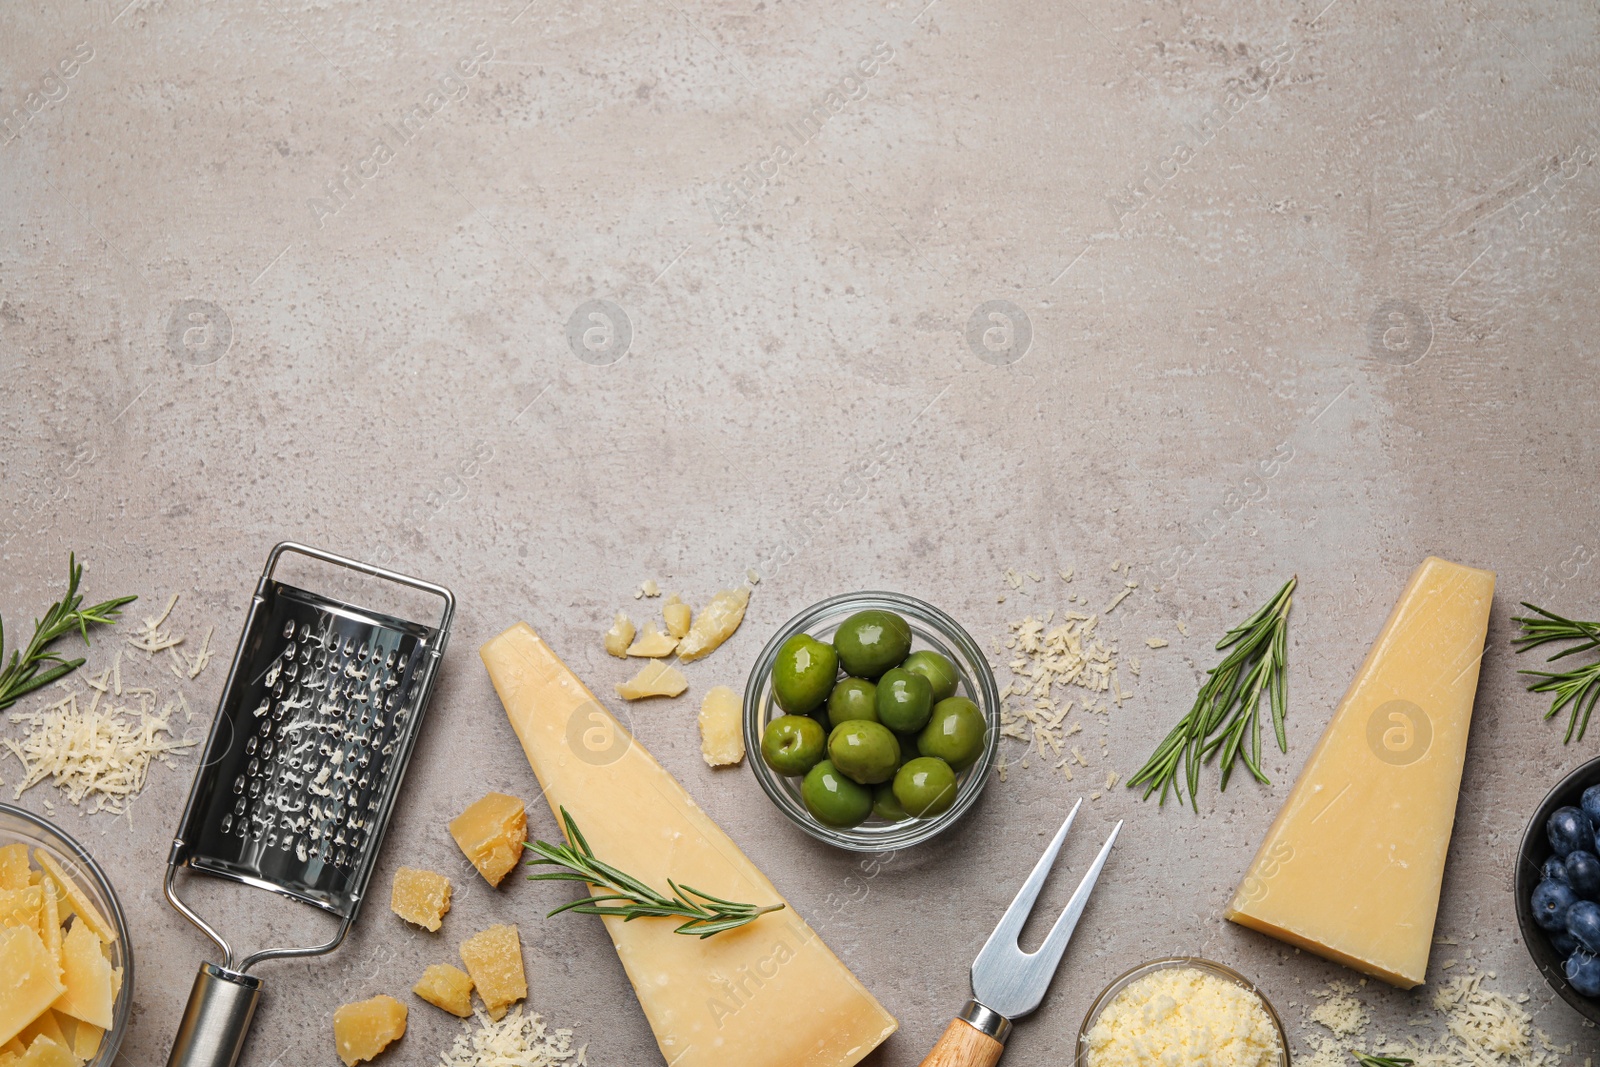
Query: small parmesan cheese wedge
{"type": "Point", "coordinates": [652, 643]}
{"type": "Point", "coordinates": [87, 975]}
{"type": "Point", "coordinates": [46, 1025]}
{"type": "Point", "coordinates": [365, 1028]}
{"type": "Point", "coordinates": [76, 897]}
{"type": "Point", "coordinates": [86, 1040]}
{"type": "Point", "coordinates": [494, 961]}
{"type": "Point", "coordinates": [32, 981]}
{"type": "Point", "coordinates": [655, 679]}
{"type": "Point", "coordinates": [14, 866]}
{"type": "Point", "coordinates": [677, 614]}
{"type": "Point", "coordinates": [491, 833]}
{"type": "Point", "coordinates": [721, 734]}
{"type": "Point", "coordinates": [446, 987]}
{"type": "Point", "coordinates": [21, 907]}
{"type": "Point", "coordinates": [46, 1052]}
{"type": "Point", "coordinates": [716, 623]}
{"type": "Point", "coordinates": [420, 897]}
{"type": "Point", "coordinates": [50, 922]}
{"type": "Point", "coordinates": [620, 636]}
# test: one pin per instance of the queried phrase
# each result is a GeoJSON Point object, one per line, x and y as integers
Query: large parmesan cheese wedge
{"type": "Point", "coordinates": [769, 994]}
{"type": "Point", "coordinates": [29, 981]}
{"type": "Point", "coordinates": [1352, 867]}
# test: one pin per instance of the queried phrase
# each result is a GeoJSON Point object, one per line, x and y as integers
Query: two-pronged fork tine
{"type": "Point", "coordinates": [1008, 983]}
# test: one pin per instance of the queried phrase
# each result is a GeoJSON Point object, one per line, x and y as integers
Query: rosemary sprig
{"type": "Point", "coordinates": [1380, 1061]}
{"type": "Point", "coordinates": [23, 674]}
{"type": "Point", "coordinates": [1227, 710]}
{"type": "Point", "coordinates": [1578, 687]}
{"type": "Point", "coordinates": [630, 898]}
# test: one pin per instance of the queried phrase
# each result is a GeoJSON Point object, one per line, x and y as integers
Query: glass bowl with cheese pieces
{"type": "Point", "coordinates": [1186, 1012]}
{"type": "Point", "coordinates": [63, 948]}
{"type": "Point", "coordinates": [929, 640]}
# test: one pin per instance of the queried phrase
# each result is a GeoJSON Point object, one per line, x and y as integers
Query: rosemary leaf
{"type": "Point", "coordinates": [629, 898]}
{"type": "Point", "coordinates": [1577, 688]}
{"type": "Point", "coordinates": [1225, 722]}
{"type": "Point", "coordinates": [34, 667]}
{"type": "Point", "coordinates": [1367, 1060]}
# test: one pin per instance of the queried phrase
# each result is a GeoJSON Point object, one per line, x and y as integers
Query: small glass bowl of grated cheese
{"type": "Point", "coordinates": [1182, 1011]}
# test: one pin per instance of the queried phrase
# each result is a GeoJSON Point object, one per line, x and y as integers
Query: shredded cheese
{"type": "Point", "coordinates": [1184, 1017]}
{"type": "Point", "coordinates": [1047, 657]}
{"type": "Point", "coordinates": [99, 752]}
{"type": "Point", "coordinates": [517, 1040]}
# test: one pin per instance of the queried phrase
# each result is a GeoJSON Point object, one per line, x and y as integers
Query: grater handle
{"type": "Point", "coordinates": [216, 1019]}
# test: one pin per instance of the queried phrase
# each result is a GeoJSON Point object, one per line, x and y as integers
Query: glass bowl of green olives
{"type": "Point", "coordinates": [872, 720]}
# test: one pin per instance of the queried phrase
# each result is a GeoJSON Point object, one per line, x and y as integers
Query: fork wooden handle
{"type": "Point", "coordinates": [964, 1045]}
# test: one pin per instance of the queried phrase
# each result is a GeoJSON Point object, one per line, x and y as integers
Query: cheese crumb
{"type": "Point", "coordinates": [1155, 642]}
{"type": "Point", "coordinates": [1184, 1017]}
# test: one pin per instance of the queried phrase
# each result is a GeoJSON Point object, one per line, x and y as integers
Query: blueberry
{"type": "Point", "coordinates": [1591, 803]}
{"type": "Point", "coordinates": [1569, 830]}
{"type": "Point", "coordinates": [1583, 874]}
{"type": "Point", "coordinates": [1555, 869]}
{"type": "Point", "coordinates": [1564, 943]}
{"type": "Point", "coordinates": [1583, 971]}
{"type": "Point", "coordinates": [1551, 901]}
{"type": "Point", "coordinates": [1583, 923]}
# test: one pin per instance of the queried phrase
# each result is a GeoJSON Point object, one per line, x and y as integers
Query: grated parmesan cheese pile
{"type": "Point", "coordinates": [517, 1040]}
{"type": "Point", "coordinates": [98, 745]}
{"type": "Point", "coordinates": [1184, 1017]}
{"type": "Point", "coordinates": [1481, 1028]}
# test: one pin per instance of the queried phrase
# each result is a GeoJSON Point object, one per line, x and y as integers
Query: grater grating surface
{"type": "Point", "coordinates": [326, 705]}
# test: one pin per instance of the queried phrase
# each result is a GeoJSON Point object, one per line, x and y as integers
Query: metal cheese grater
{"type": "Point", "coordinates": [312, 737]}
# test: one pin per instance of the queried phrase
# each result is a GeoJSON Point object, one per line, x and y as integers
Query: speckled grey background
{"type": "Point", "coordinates": [1286, 289]}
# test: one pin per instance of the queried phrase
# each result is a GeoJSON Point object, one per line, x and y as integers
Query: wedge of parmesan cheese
{"type": "Point", "coordinates": [768, 994]}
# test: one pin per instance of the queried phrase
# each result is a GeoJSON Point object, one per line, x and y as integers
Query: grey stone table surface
{"type": "Point", "coordinates": [541, 299]}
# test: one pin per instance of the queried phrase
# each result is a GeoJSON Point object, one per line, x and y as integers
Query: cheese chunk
{"type": "Point", "coordinates": [655, 679]}
{"type": "Point", "coordinates": [494, 962]}
{"type": "Point", "coordinates": [1352, 867]}
{"type": "Point", "coordinates": [420, 897]}
{"type": "Point", "coordinates": [21, 907]}
{"type": "Point", "coordinates": [768, 994]}
{"type": "Point", "coordinates": [446, 987]}
{"type": "Point", "coordinates": [620, 636]}
{"type": "Point", "coordinates": [677, 615]}
{"type": "Point", "coordinates": [29, 980]}
{"type": "Point", "coordinates": [652, 643]}
{"type": "Point", "coordinates": [87, 975]}
{"type": "Point", "coordinates": [715, 624]}
{"type": "Point", "coordinates": [14, 869]}
{"type": "Point", "coordinates": [721, 731]}
{"type": "Point", "coordinates": [81, 904]}
{"type": "Point", "coordinates": [491, 832]}
{"type": "Point", "coordinates": [365, 1028]}
{"type": "Point", "coordinates": [46, 1052]}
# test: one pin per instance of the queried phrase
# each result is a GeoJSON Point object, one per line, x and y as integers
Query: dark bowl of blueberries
{"type": "Point", "coordinates": [1558, 889]}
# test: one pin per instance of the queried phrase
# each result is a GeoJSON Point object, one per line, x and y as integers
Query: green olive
{"type": "Point", "coordinates": [925, 786]}
{"type": "Point", "coordinates": [833, 799]}
{"type": "Point", "coordinates": [793, 744]}
{"type": "Point", "coordinates": [870, 642]}
{"type": "Point", "coordinates": [956, 733]}
{"type": "Point", "coordinates": [940, 672]}
{"type": "Point", "coordinates": [865, 751]}
{"type": "Point", "coordinates": [887, 806]}
{"type": "Point", "coordinates": [802, 676]}
{"type": "Point", "coordinates": [905, 700]}
{"type": "Point", "coordinates": [853, 698]}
